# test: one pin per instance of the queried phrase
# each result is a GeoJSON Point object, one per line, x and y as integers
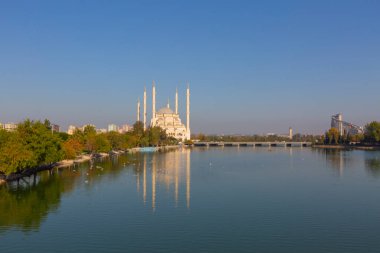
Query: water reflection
{"type": "Point", "coordinates": [372, 165]}
{"type": "Point", "coordinates": [26, 204]}
{"type": "Point", "coordinates": [337, 159]}
{"type": "Point", "coordinates": [169, 170]}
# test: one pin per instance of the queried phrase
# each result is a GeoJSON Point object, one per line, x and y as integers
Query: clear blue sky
{"type": "Point", "coordinates": [253, 67]}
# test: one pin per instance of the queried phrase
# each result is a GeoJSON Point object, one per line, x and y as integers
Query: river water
{"type": "Point", "coordinates": [200, 200]}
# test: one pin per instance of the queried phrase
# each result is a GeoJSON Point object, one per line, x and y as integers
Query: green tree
{"type": "Point", "coordinates": [155, 136]}
{"type": "Point", "coordinates": [116, 140]}
{"type": "Point", "coordinates": [372, 132]}
{"type": "Point", "coordinates": [102, 144]}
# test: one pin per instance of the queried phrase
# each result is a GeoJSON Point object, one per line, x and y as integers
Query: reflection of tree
{"type": "Point", "coordinates": [373, 166]}
{"type": "Point", "coordinates": [27, 206]}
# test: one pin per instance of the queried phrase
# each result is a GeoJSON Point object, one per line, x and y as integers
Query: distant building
{"type": "Point", "coordinates": [290, 133]}
{"type": "Point", "coordinates": [101, 130]}
{"type": "Point", "coordinates": [10, 127]}
{"type": "Point", "coordinates": [345, 127]}
{"type": "Point", "coordinates": [113, 128]}
{"type": "Point", "coordinates": [55, 128]}
{"type": "Point", "coordinates": [72, 129]}
{"type": "Point", "coordinates": [166, 118]}
{"type": "Point", "coordinates": [124, 128]}
{"type": "Point", "coordinates": [337, 122]}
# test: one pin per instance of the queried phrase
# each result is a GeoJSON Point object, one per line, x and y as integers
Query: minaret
{"type": "Point", "coordinates": [188, 112]}
{"type": "Point", "coordinates": [153, 102]}
{"type": "Point", "coordinates": [138, 109]}
{"type": "Point", "coordinates": [144, 116]}
{"type": "Point", "coordinates": [176, 101]}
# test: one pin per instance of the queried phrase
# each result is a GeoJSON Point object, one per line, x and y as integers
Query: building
{"type": "Point", "coordinates": [9, 127]}
{"type": "Point", "coordinates": [290, 133]}
{"type": "Point", "coordinates": [101, 130]}
{"type": "Point", "coordinates": [337, 122]}
{"type": "Point", "coordinates": [345, 127]}
{"type": "Point", "coordinates": [55, 128]}
{"type": "Point", "coordinates": [113, 128]}
{"type": "Point", "coordinates": [124, 128]}
{"type": "Point", "coordinates": [71, 129]}
{"type": "Point", "coordinates": [166, 118]}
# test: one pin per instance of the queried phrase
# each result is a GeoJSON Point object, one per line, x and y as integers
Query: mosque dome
{"type": "Point", "coordinates": [165, 110]}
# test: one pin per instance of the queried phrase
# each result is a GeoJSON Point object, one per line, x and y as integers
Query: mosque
{"type": "Point", "coordinates": [166, 118]}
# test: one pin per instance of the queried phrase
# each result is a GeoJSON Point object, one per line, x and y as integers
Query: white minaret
{"type": "Point", "coordinates": [188, 135]}
{"type": "Point", "coordinates": [138, 110]}
{"type": "Point", "coordinates": [176, 101]}
{"type": "Point", "coordinates": [153, 101]}
{"type": "Point", "coordinates": [144, 116]}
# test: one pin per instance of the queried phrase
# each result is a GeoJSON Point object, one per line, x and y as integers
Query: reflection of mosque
{"type": "Point", "coordinates": [169, 170]}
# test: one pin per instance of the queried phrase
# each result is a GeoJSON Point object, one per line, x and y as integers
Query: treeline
{"type": "Point", "coordinates": [371, 136]}
{"type": "Point", "coordinates": [34, 144]}
{"type": "Point", "coordinates": [254, 138]}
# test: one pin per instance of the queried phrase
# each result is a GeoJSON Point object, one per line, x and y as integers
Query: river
{"type": "Point", "coordinates": [227, 199]}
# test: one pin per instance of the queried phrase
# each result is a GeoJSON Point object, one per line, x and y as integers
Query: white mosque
{"type": "Point", "coordinates": [166, 118]}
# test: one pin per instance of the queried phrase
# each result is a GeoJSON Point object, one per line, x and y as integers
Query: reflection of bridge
{"type": "Point", "coordinates": [252, 144]}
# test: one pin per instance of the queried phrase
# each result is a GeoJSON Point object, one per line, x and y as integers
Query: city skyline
{"type": "Point", "coordinates": [253, 68]}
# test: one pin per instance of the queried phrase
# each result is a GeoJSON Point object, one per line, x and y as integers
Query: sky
{"type": "Point", "coordinates": [253, 66]}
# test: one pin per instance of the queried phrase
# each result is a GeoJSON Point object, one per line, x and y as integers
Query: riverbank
{"type": "Point", "coordinates": [359, 147]}
{"type": "Point", "coordinates": [72, 162]}
{"type": "Point", "coordinates": [61, 164]}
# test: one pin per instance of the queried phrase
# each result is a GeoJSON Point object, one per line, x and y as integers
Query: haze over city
{"type": "Point", "coordinates": [252, 67]}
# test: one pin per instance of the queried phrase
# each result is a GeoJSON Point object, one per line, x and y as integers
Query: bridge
{"type": "Point", "coordinates": [253, 144]}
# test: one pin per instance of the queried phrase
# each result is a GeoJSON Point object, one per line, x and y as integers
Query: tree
{"type": "Point", "coordinates": [102, 144]}
{"type": "Point", "coordinates": [138, 129]}
{"type": "Point", "coordinates": [116, 140]}
{"type": "Point", "coordinates": [332, 135]}
{"type": "Point", "coordinates": [372, 132]}
{"type": "Point", "coordinates": [38, 138]}
{"type": "Point", "coordinates": [72, 148]}
{"type": "Point", "coordinates": [15, 156]}
{"type": "Point", "coordinates": [154, 136]}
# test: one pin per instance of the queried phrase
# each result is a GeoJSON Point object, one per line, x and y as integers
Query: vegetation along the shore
{"type": "Point", "coordinates": [34, 144]}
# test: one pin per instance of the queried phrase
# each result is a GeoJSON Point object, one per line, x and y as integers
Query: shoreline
{"type": "Point", "coordinates": [342, 146]}
{"type": "Point", "coordinates": [72, 162]}
{"type": "Point", "coordinates": [155, 149]}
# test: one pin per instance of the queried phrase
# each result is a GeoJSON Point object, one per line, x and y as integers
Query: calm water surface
{"type": "Point", "coordinates": [200, 200]}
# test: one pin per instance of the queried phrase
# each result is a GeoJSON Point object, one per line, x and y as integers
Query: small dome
{"type": "Point", "coordinates": [165, 110]}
